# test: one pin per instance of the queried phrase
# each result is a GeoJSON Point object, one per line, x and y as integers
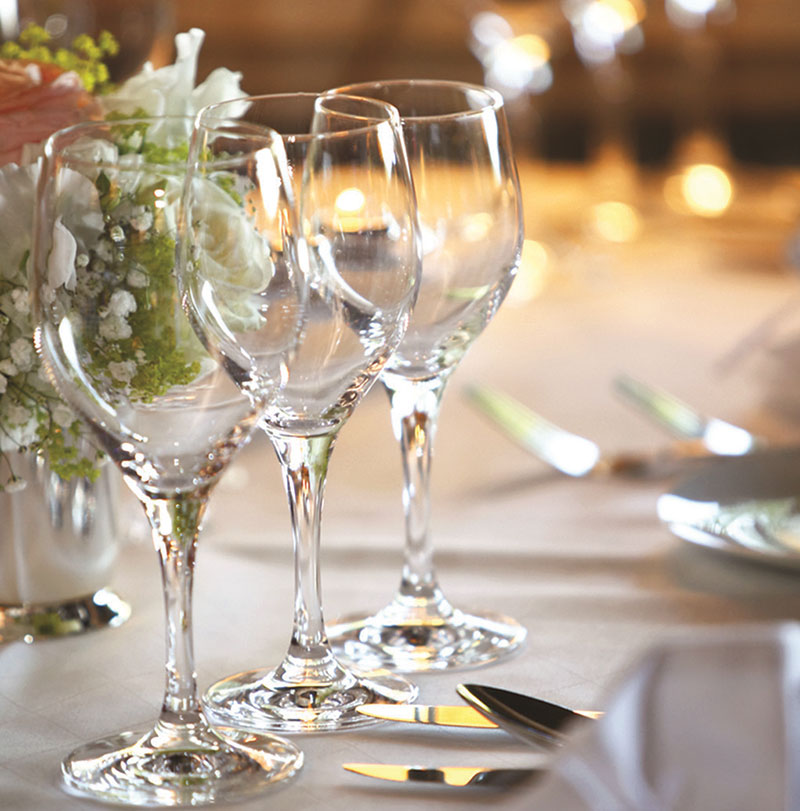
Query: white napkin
{"type": "Point", "coordinates": [709, 723]}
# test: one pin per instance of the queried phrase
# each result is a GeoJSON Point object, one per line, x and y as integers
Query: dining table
{"type": "Point", "coordinates": [614, 280]}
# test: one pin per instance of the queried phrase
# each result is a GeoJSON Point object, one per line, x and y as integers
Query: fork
{"type": "Point", "coordinates": [682, 421]}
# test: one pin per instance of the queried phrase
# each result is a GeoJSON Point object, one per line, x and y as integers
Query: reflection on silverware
{"type": "Point", "coordinates": [443, 716]}
{"type": "Point", "coordinates": [567, 452]}
{"type": "Point", "coordinates": [682, 421]}
{"type": "Point", "coordinates": [533, 720]}
{"type": "Point", "coordinates": [460, 776]}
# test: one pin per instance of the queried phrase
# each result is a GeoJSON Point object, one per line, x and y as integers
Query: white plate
{"type": "Point", "coordinates": [747, 506]}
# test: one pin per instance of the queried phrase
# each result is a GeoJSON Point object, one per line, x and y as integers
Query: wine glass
{"type": "Point", "coordinates": [471, 222]}
{"type": "Point", "coordinates": [357, 242]}
{"type": "Point", "coordinates": [116, 343]}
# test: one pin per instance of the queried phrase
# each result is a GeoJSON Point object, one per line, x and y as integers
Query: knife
{"type": "Point", "coordinates": [683, 421]}
{"type": "Point", "coordinates": [461, 776]}
{"type": "Point", "coordinates": [441, 715]}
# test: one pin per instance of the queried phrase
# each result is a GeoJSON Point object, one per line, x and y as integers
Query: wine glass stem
{"type": "Point", "coordinates": [175, 523]}
{"type": "Point", "coordinates": [414, 412]}
{"type": "Point", "coordinates": [304, 461]}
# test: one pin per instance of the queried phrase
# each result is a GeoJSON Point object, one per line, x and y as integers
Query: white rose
{"type": "Point", "coordinates": [231, 254]}
{"type": "Point", "coordinates": [170, 90]}
{"type": "Point", "coordinates": [220, 85]}
{"type": "Point", "coordinates": [78, 201]}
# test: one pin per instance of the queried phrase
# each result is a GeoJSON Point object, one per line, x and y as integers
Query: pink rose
{"type": "Point", "coordinates": [35, 101]}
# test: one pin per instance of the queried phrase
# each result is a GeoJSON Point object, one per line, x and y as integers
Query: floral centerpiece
{"type": "Point", "coordinates": [42, 91]}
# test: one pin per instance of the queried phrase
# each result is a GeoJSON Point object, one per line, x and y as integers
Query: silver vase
{"type": "Point", "coordinates": [58, 547]}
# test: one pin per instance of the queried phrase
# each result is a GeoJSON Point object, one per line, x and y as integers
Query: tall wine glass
{"type": "Point", "coordinates": [358, 245]}
{"type": "Point", "coordinates": [116, 343]}
{"type": "Point", "coordinates": [471, 221]}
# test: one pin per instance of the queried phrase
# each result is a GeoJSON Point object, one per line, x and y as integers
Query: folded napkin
{"type": "Point", "coordinates": [707, 723]}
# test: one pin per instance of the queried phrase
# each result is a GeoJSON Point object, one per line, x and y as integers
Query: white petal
{"type": "Point", "coordinates": [220, 85]}
{"type": "Point", "coordinates": [61, 262]}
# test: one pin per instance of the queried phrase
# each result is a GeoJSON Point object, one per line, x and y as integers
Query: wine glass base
{"type": "Point", "coordinates": [256, 700]}
{"type": "Point", "coordinates": [30, 621]}
{"type": "Point", "coordinates": [128, 769]}
{"type": "Point", "coordinates": [417, 644]}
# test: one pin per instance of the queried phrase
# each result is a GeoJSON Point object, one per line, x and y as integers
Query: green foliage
{"type": "Point", "coordinates": [63, 455]}
{"type": "Point", "coordinates": [161, 346]}
{"type": "Point", "coordinates": [85, 57]}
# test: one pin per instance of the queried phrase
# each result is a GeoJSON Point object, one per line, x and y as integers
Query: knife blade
{"type": "Point", "coordinates": [460, 776]}
{"type": "Point", "coordinates": [435, 715]}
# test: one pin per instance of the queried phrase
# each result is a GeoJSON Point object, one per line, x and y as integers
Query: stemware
{"type": "Point", "coordinates": [117, 345]}
{"type": "Point", "coordinates": [471, 223]}
{"type": "Point", "coordinates": [357, 242]}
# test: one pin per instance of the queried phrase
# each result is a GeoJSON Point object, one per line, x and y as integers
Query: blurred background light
{"type": "Point", "coordinates": [514, 65]}
{"type": "Point", "coordinates": [615, 221]}
{"type": "Point", "coordinates": [702, 189]}
{"type": "Point", "coordinates": [601, 28]}
{"type": "Point", "coordinates": [694, 13]}
{"type": "Point", "coordinates": [535, 269]}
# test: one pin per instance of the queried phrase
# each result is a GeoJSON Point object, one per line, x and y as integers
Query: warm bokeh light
{"type": "Point", "coordinates": [476, 228]}
{"type": "Point", "coordinates": [512, 64]}
{"type": "Point", "coordinates": [350, 201]}
{"type": "Point", "coordinates": [615, 221]}
{"type": "Point", "coordinates": [600, 27]}
{"type": "Point", "coordinates": [695, 6]}
{"type": "Point", "coordinates": [520, 64]}
{"type": "Point", "coordinates": [694, 13]}
{"type": "Point", "coordinates": [702, 189]}
{"type": "Point", "coordinates": [534, 271]}
{"type": "Point", "coordinates": [349, 209]}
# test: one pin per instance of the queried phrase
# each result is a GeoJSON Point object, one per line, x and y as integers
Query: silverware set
{"type": "Point", "coordinates": [532, 720]}
{"type": "Point", "coordinates": [535, 721]}
{"type": "Point", "coordinates": [696, 435]}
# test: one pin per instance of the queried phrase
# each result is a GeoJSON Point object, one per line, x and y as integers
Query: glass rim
{"type": "Point", "coordinates": [205, 117]}
{"type": "Point", "coordinates": [51, 149]}
{"type": "Point", "coordinates": [494, 98]}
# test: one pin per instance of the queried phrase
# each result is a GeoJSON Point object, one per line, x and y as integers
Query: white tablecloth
{"type": "Point", "coordinates": [583, 564]}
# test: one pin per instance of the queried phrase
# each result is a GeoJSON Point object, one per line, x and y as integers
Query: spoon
{"type": "Point", "coordinates": [527, 718]}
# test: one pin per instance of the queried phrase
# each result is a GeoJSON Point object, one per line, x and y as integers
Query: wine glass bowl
{"type": "Point", "coordinates": [356, 243]}
{"type": "Point", "coordinates": [116, 343]}
{"type": "Point", "coordinates": [470, 219]}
